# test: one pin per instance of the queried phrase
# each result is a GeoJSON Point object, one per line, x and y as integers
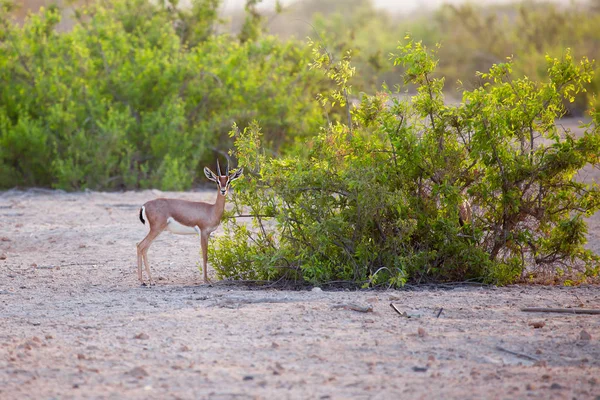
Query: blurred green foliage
{"type": "Point", "coordinates": [140, 94]}
{"type": "Point", "coordinates": [473, 38]}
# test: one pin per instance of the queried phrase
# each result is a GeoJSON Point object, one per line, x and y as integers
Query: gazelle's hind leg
{"type": "Point", "coordinates": [143, 247]}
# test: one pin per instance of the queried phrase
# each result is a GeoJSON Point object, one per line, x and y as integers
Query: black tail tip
{"type": "Point", "coordinates": [142, 217]}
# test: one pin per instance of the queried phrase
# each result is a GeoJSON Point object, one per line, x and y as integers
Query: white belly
{"type": "Point", "coordinates": [180, 229]}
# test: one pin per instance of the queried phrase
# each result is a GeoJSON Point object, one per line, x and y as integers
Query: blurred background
{"type": "Point", "coordinates": [113, 94]}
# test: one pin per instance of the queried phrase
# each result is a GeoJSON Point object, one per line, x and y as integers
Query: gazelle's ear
{"type": "Point", "coordinates": [209, 174]}
{"type": "Point", "coordinates": [236, 174]}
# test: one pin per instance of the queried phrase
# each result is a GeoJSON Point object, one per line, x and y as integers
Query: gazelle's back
{"type": "Point", "coordinates": [188, 213]}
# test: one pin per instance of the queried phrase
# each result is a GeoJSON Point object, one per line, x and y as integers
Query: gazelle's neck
{"type": "Point", "coordinates": [219, 206]}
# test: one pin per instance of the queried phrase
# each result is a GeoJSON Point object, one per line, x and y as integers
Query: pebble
{"type": "Point", "coordinates": [584, 335]}
{"type": "Point", "coordinates": [142, 336]}
{"type": "Point", "coordinates": [138, 372]}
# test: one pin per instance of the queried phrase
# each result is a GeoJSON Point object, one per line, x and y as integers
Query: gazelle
{"type": "Point", "coordinates": [185, 218]}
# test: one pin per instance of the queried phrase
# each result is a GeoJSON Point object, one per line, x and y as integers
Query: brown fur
{"type": "Point", "coordinates": [205, 216]}
{"type": "Point", "coordinates": [188, 213]}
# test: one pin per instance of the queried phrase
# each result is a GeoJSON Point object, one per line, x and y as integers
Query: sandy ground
{"type": "Point", "coordinates": [75, 323]}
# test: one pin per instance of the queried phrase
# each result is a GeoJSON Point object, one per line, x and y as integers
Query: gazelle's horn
{"type": "Point", "coordinates": [227, 173]}
{"type": "Point", "coordinates": [218, 168]}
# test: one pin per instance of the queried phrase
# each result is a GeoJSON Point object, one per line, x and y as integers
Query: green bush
{"type": "Point", "coordinates": [476, 37]}
{"type": "Point", "coordinates": [140, 94]}
{"type": "Point", "coordinates": [379, 200]}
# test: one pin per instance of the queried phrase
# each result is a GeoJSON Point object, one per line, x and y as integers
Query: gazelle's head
{"type": "Point", "coordinates": [223, 181]}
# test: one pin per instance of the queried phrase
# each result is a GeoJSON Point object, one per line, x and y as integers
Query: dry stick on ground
{"type": "Point", "coordinates": [404, 313]}
{"type": "Point", "coordinates": [398, 311]}
{"type": "Point", "coordinates": [354, 307]}
{"type": "Point", "coordinates": [562, 310]}
{"type": "Point", "coordinates": [514, 353]}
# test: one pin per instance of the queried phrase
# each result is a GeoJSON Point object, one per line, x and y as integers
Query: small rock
{"type": "Point", "coordinates": [80, 357]}
{"type": "Point", "coordinates": [420, 369]}
{"type": "Point", "coordinates": [537, 324]}
{"type": "Point", "coordinates": [75, 386]}
{"type": "Point", "coordinates": [49, 337]}
{"type": "Point", "coordinates": [138, 372]}
{"type": "Point", "coordinates": [274, 345]}
{"type": "Point", "coordinates": [33, 265]}
{"type": "Point", "coordinates": [316, 290]}
{"type": "Point", "coordinates": [82, 246]}
{"type": "Point", "coordinates": [142, 336]}
{"type": "Point", "coordinates": [529, 386]}
{"type": "Point", "coordinates": [555, 386]}
{"type": "Point", "coordinates": [421, 332]}
{"type": "Point", "coordinates": [3, 256]}
{"type": "Point", "coordinates": [584, 335]}
{"type": "Point", "coordinates": [4, 239]}
{"type": "Point", "coordinates": [248, 377]}
{"type": "Point", "coordinates": [184, 348]}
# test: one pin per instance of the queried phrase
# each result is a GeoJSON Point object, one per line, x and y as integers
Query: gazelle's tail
{"type": "Point", "coordinates": [142, 215]}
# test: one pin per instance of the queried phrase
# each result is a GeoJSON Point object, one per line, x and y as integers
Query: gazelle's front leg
{"type": "Point", "coordinates": [139, 263]}
{"type": "Point", "coordinates": [204, 245]}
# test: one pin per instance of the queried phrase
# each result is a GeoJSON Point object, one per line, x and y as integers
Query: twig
{"type": "Point", "coordinates": [398, 311]}
{"type": "Point", "coordinates": [354, 307]}
{"type": "Point", "coordinates": [439, 312]}
{"type": "Point", "coordinates": [562, 310]}
{"type": "Point", "coordinates": [514, 353]}
{"type": "Point", "coordinates": [249, 216]}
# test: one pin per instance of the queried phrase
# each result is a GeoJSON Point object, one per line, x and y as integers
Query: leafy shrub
{"type": "Point", "coordinates": [379, 200]}
{"type": "Point", "coordinates": [140, 94]}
